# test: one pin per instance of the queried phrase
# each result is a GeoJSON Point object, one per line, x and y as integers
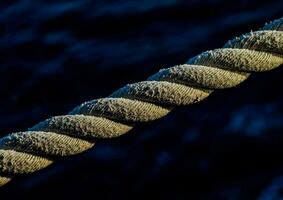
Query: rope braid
{"type": "Point", "coordinates": [35, 149]}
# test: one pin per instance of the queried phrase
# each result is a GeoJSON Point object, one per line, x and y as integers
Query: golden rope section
{"type": "Point", "coordinates": [37, 148]}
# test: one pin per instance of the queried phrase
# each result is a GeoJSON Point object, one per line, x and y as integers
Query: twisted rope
{"type": "Point", "coordinates": [35, 149]}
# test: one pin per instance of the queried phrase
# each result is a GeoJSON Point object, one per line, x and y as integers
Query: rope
{"type": "Point", "coordinates": [41, 145]}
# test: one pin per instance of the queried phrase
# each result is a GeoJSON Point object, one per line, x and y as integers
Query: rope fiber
{"type": "Point", "coordinates": [37, 148]}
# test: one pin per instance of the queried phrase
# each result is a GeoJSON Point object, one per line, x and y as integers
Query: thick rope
{"type": "Point", "coordinates": [35, 149]}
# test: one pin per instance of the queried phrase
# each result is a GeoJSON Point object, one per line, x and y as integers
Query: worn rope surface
{"type": "Point", "coordinates": [26, 152]}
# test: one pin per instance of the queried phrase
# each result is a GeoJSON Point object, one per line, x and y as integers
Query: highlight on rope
{"type": "Point", "coordinates": [38, 147]}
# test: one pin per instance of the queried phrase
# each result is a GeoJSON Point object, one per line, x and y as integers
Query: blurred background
{"type": "Point", "coordinates": [55, 55]}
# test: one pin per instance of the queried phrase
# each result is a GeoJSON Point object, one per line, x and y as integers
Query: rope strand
{"type": "Point", "coordinates": [41, 145]}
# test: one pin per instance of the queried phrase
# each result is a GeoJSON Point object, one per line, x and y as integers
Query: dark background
{"type": "Point", "coordinates": [55, 55]}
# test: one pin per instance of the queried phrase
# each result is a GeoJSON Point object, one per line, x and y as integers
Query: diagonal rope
{"type": "Point", "coordinates": [41, 145]}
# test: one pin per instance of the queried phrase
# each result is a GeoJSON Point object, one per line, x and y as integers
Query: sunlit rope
{"type": "Point", "coordinates": [35, 149]}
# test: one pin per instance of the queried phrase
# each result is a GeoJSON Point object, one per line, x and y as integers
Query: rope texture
{"type": "Point", "coordinates": [37, 148]}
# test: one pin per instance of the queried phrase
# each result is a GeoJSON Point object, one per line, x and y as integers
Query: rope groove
{"type": "Point", "coordinates": [37, 148]}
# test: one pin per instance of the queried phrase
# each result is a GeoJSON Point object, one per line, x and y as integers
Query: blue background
{"type": "Point", "coordinates": [55, 55]}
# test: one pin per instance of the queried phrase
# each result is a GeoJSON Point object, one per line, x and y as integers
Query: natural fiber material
{"type": "Point", "coordinates": [26, 152]}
